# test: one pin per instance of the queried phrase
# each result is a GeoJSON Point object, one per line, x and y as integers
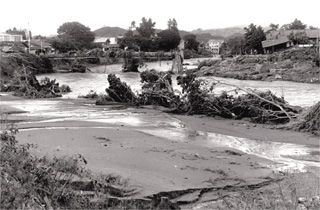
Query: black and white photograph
{"type": "Point", "coordinates": [160, 104]}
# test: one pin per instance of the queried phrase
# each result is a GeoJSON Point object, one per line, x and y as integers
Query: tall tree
{"type": "Point", "coordinates": [173, 25]}
{"type": "Point", "coordinates": [169, 39]}
{"type": "Point", "coordinates": [235, 45]}
{"type": "Point", "coordinates": [253, 37]}
{"type": "Point", "coordinates": [297, 25]}
{"type": "Point", "coordinates": [273, 27]}
{"type": "Point", "coordinates": [190, 42]}
{"type": "Point", "coordinates": [75, 32]}
{"type": "Point", "coordinates": [129, 32]}
{"type": "Point", "coordinates": [298, 37]}
{"type": "Point", "coordinates": [146, 28]}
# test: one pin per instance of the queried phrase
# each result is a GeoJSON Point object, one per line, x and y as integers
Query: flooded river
{"type": "Point", "coordinates": [300, 94]}
{"type": "Point", "coordinates": [167, 126]}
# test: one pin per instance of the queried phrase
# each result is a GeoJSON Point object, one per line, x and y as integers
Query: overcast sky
{"type": "Point", "coordinates": [45, 16]}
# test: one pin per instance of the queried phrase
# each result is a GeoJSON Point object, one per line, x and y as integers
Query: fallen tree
{"type": "Point", "coordinates": [120, 91]}
{"type": "Point", "coordinates": [157, 89]}
{"type": "Point", "coordinates": [197, 98]}
{"type": "Point", "coordinates": [260, 107]}
{"type": "Point", "coordinates": [26, 85]}
{"type": "Point", "coordinates": [11, 62]}
{"type": "Point", "coordinates": [18, 72]}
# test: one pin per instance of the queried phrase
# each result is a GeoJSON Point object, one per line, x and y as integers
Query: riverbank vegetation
{"type": "Point", "coordinates": [31, 182]}
{"type": "Point", "coordinates": [18, 75]}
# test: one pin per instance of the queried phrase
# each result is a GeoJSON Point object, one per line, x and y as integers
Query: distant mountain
{"type": "Point", "coordinates": [234, 35]}
{"type": "Point", "coordinates": [225, 32]}
{"type": "Point", "coordinates": [183, 33]}
{"type": "Point", "coordinates": [204, 37]}
{"type": "Point", "coordinates": [108, 31]}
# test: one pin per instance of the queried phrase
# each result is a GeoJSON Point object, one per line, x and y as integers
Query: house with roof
{"type": "Point", "coordinates": [4, 37]}
{"type": "Point", "coordinates": [39, 46]}
{"type": "Point", "coordinates": [278, 40]}
{"type": "Point", "coordinates": [214, 45]}
{"type": "Point", "coordinates": [107, 42]}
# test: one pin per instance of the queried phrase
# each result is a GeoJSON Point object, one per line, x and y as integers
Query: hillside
{"type": "Point", "coordinates": [225, 32]}
{"type": "Point", "coordinates": [204, 37]}
{"type": "Point", "coordinates": [108, 31]}
{"type": "Point", "coordinates": [183, 33]}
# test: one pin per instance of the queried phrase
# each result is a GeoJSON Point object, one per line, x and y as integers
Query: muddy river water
{"type": "Point", "coordinates": [301, 94]}
{"type": "Point", "coordinates": [167, 126]}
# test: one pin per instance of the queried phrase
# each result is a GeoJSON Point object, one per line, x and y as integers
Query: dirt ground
{"type": "Point", "coordinates": [154, 157]}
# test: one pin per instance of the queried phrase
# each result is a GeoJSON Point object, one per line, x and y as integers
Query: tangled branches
{"type": "Point", "coordinates": [309, 121]}
{"type": "Point", "coordinates": [35, 63]}
{"type": "Point", "coordinates": [197, 98]}
{"type": "Point", "coordinates": [260, 107]}
{"type": "Point", "coordinates": [120, 91]}
{"type": "Point", "coordinates": [157, 89]}
{"type": "Point", "coordinates": [27, 86]}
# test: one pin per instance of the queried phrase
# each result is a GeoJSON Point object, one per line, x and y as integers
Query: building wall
{"type": "Point", "coordinates": [10, 38]}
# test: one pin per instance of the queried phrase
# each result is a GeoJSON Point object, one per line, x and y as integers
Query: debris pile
{"type": "Point", "coordinates": [299, 65]}
{"type": "Point", "coordinates": [18, 75]}
{"type": "Point", "coordinates": [301, 54]}
{"type": "Point", "coordinates": [27, 86]}
{"type": "Point", "coordinates": [309, 121]}
{"type": "Point", "coordinates": [157, 89]}
{"type": "Point", "coordinates": [119, 91]}
{"type": "Point", "coordinates": [260, 107]}
{"type": "Point", "coordinates": [11, 62]}
{"type": "Point", "coordinates": [197, 98]}
{"type": "Point", "coordinates": [207, 63]}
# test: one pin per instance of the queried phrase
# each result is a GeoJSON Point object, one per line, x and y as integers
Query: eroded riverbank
{"type": "Point", "coordinates": [158, 152]}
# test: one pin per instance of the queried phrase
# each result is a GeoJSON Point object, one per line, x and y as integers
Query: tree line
{"type": "Point", "coordinates": [251, 41]}
{"type": "Point", "coordinates": [76, 36]}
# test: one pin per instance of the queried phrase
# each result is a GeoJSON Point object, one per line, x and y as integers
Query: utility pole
{"type": "Point", "coordinates": [28, 37]}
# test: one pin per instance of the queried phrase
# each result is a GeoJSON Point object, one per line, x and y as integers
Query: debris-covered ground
{"type": "Point", "coordinates": [298, 65]}
{"type": "Point", "coordinates": [309, 121]}
{"type": "Point", "coordinates": [18, 72]}
{"type": "Point", "coordinates": [197, 98]}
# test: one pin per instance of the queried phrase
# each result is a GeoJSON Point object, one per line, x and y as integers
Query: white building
{"type": "Point", "coordinates": [214, 45]}
{"type": "Point", "coordinates": [4, 37]}
{"type": "Point", "coordinates": [107, 42]}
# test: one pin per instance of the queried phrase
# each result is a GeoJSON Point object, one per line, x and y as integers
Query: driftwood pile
{"type": "Point", "coordinates": [197, 98]}
{"type": "Point", "coordinates": [309, 121]}
{"type": "Point", "coordinates": [260, 107]}
{"type": "Point", "coordinates": [27, 86]}
{"type": "Point", "coordinates": [18, 72]}
{"type": "Point", "coordinates": [157, 89]}
{"type": "Point", "coordinates": [120, 91]}
{"type": "Point", "coordinates": [19, 61]}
